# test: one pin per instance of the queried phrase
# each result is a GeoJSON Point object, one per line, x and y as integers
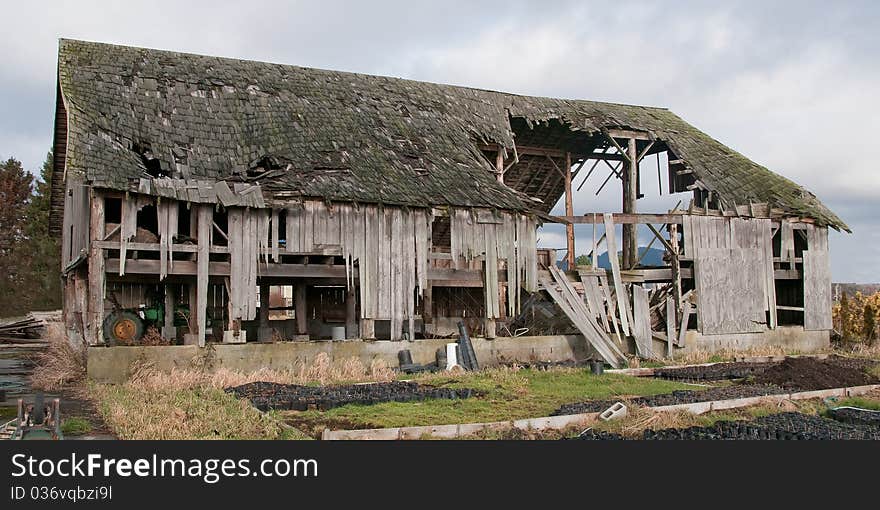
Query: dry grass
{"type": "Point", "coordinates": [859, 349]}
{"type": "Point", "coordinates": [61, 364]}
{"type": "Point", "coordinates": [133, 411]}
{"type": "Point", "coordinates": [639, 419]}
{"type": "Point", "coordinates": [322, 371]}
{"type": "Point", "coordinates": [192, 404]}
{"type": "Point", "coordinates": [153, 337]}
{"type": "Point", "coordinates": [701, 356]}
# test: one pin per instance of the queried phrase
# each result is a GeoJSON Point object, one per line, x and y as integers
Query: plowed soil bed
{"type": "Point", "coordinates": [806, 374]}
{"type": "Point", "coordinates": [265, 396]}
{"type": "Point", "coordinates": [782, 426]}
{"type": "Point", "coordinates": [806, 369]}
{"type": "Point", "coordinates": [716, 372]}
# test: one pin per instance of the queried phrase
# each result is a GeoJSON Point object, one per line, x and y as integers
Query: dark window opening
{"type": "Point", "coordinates": [112, 210]}
{"type": "Point", "coordinates": [182, 221]}
{"type": "Point", "coordinates": [222, 221]}
{"type": "Point", "coordinates": [282, 227]}
{"type": "Point", "coordinates": [147, 219]}
{"type": "Point", "coordinates": [790, 302]}
{"type": "Point", "coordinates": [441, 234]}
{"type": "Point", "coordinates": [800, 243]}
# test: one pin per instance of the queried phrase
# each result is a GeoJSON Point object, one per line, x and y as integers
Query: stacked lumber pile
{"type": "Point", "coordinates": [25, 330]}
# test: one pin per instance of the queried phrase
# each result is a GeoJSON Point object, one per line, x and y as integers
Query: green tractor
{"type": "Point", "coordinates": [126, 326]}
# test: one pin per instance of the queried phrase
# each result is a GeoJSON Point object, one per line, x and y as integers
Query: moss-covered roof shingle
{"type": "Point", "coordinates": [344, 136]}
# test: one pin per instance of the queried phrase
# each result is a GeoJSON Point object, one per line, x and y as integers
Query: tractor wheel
{"type": "Point", "coordinates": [123, 328]}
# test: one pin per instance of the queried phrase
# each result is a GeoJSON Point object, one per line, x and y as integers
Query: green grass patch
{"type": "Point", "coordinates": [75, 426]}
{"type": "Point", "coordinates": [506, 395]}
{"type": "Point", "coordinates": [861, 402]}
{"type": "Point", "coordinates": [7, 413]}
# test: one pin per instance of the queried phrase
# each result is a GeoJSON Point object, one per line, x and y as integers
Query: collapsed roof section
{"type": "Point", "coordinates": [134, 113]}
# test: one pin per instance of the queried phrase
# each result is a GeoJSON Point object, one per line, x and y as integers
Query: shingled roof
{"type": "Point", "coordinates": [344, 136]}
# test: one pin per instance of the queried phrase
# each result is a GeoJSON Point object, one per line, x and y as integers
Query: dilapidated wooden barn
{"type": "Point", "coordinates": [232, 201]}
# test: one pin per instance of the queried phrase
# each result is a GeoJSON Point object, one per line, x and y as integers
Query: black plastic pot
{"type": "Point", "coordinates": [404, 357]}
{"type": "Point", "coordinates": [597, 367]}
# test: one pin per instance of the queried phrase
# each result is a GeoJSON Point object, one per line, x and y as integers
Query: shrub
{"type": "Point", "coordinates": [856, 317]}
{"type": "Point", "coordinates": [61, 364]}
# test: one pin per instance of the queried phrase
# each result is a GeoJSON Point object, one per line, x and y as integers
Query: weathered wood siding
{"type": "Point", "coordinates": [167, 216]}
{"type": "Point", "coordinates": [496, 236]}
{"type": "Point", "coordinates": [817, 280]}
{"type": "Point", "coordinates": [641, 327]}
{"type": "Point", "coordinates": [75, 225]}
{"type": "Point", "coordinates": [733, 272]}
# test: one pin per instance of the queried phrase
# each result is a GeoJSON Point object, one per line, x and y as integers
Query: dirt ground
{"type": "Point", "coordinates": [74, 404]}
{"type": "Point", "coordinates": [805, 374]}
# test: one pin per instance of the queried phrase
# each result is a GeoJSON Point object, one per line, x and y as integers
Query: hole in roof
{"type": "Point", "coordinates": [152, 164]}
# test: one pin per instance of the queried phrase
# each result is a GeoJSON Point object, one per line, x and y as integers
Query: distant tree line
{"type": "Point", "coordinates": [30, 273]}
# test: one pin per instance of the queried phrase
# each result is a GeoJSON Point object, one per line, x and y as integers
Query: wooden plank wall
{"type": "Point", "coordinates": [75, 225]}
{"type": "Point", "coordinates": [733, 260]}
{"type": "Point", "coordinates": [166, 212]}
{"type": "Point", "coordinates": [730, 293]}
{"type": "Point", "coordinates": [496, 236]}
{"type": "Point", "coordinates": [817, 280]}
{"type": "Point", "coordinates": [641, 327]}
{"type": "Point", "coordinates": [390, 245]}
{"type": "Point", "coordinates": [243, 228]}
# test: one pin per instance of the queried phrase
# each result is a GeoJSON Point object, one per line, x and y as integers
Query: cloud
{"type": "Point", "coordinates": [790, 84]}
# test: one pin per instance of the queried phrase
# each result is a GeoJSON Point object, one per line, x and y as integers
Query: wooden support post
{"type": "Point", "coordinates": [676, 269]}
{"type": "Point", "coordinates": [490, 329]}
{"type": "Point", "coordinates": [96, 271]}
{"type": "Point", "coordinates": [368, 329]}
{"type": "Point", "coordinates": [499, 165]}
{"type": "Point", "coordinates": [205, 220]}
{"type": "Point", "coordinates": [193, 221]}
{"type": "Point", "coordinates": [593, 255]}
{"type": "Point", "coordinates": [351, 321]}
{"type": "Point", "coordinates": [168, 331]}
{"type": "Point", "coordinates": [630, 195]}
{"type": "Point", "coordinates": [299, 305]}
{"type": "Point", "coordinates": [265, 332]}
{"type": "Point", "coordinates": [685, 319]}
{"type": "Point", "coordinates": [670, 324]}
{"type": "Point", "coordinates": [192, 322]}
{"type": "Point", "coordinates": [428, 310]}
{"type": "Point", "coordinates": [569, 211]}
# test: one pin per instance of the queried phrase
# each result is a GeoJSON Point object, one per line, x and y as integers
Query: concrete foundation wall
{"type": "Point", "coordinates": [790, 338]}
{"type": "Point", "coordinates": [113, 364]}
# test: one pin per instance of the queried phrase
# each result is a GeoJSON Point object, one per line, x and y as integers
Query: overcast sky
{"type": "Point", "coordinates": [793, 85]}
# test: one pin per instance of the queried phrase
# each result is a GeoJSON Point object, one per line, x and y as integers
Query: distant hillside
{"type": "Point", "coordinates": [654, 257]}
